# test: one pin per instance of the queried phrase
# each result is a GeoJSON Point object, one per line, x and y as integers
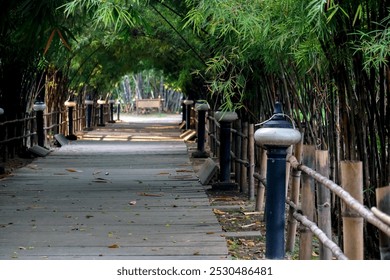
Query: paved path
{"type": "Point", "coordinates": [124, 191]}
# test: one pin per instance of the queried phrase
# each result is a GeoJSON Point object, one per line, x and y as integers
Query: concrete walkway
{"type": "Point", "coordinates": [123, 191]}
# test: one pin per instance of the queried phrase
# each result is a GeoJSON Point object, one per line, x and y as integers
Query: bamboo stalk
{"type": "Point", "coordinates": [352, 182]}
{"type": "Point", "coordinates": [251, 152]}
{"type": "Point", "coordinates": [307, 204]}
{"type": "Point", "coordinates": [238, 151]}
{"type": "Point", "coordinates": [323, 203]}
{"type": "Point", "coordinates": [261, 185]}
{"type": "Point", "coordinates": [292, 223]}
{"type": "Point", "coordinates": [383, 203]}
{"type": "Point", "coordinates": [244, 157]}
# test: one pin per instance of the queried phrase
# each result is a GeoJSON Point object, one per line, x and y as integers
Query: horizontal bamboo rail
{"type": "Point", "coordinates": [18, 133]}
{"type": "Point", "coordinates": [368, 215]}
{"type": "Point", "coordinates": [335, 249]}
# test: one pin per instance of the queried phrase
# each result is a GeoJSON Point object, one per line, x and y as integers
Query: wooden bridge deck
{"type": "Point", "coordinates": [124, 191]}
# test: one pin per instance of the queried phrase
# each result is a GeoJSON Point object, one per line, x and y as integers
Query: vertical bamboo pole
{"type": "Point", "coordinates": [288, 169]}
{"type": "Point", "coordinates": [263, 174]}
{"type": "Point", "coordinates": [238, 152]}
{"type": "Point", "coordinates": [251, 153]}
{"type": "Point", "coordinates": [352, 182]}
{"type": "Point", "coordinates": [244, 157]}
{"type": "Point", "coordinates": [323, 202]}
{"type": "Point", "coordinates": [383, 204]}
{"type": "Point", "coordinates": [307, 204]}
{"type": "Point", "coordinates": [233, 148]}
{"type": "Point", "coordinates": [292, 224]}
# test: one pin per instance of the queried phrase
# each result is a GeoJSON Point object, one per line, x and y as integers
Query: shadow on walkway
{"type": "Point", "coordinates": [130, 195]}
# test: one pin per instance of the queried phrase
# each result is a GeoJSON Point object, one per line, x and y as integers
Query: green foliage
{"type": "Point", "coordinates": [375, 45]}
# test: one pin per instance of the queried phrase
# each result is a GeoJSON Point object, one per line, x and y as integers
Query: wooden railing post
{"type": "Point", "coordinates": [244, 157]}
{"type": "Point", "coordinates": [352, 182]}
{"type": "Point", "coordinates": [294, 192]}
{"type": "Point", "coordinates": [251, 156]}
{"type": "Point", "coordinates": [263, 177]}
{"type": "Point", "coordinates": [323, 202]}
{"type": "Point", "coordinates": [307, 204]}
{"type": "Point", "coordinates": [238, 150]}
{"type": "Point", "coordinates": [383, 204]}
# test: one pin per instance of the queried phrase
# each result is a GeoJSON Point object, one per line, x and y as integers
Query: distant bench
{"type": "Point", "coordinates": [149, 103]}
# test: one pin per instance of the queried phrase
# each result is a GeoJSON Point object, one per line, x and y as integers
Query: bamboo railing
{"type": "Point", "coordinates": [20, 134]}
{"type": "Point", "coordinates": [310, 195]}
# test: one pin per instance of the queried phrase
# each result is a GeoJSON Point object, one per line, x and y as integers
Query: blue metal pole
{"type": "Point", "coordinates": [201, 129]}
{"type": "Point", "coordinates": [224, 160]}
{"type": "Point", "coordinates": [275, 202]}
{"type": "Point", "coordinates": [89, 115]}
{"type": "Point", "coordinates": [201, 132]}
{"type": "Point", "coordinates": [118, 111]}
{"type": "Point", "coordinates": [70, 120]}
{"type": "Point", "coordinates": [40, 130]}
{"type": "Point", "coordinates": [101, 115]}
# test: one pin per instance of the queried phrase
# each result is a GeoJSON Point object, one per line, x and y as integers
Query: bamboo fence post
{"type": "Point", "coordinates": [292, 223]}
{"type": "Point", "coordinates": [307, 204]}
{"type": "Point", "coordinates": [237, 152]}
{"type": "Point", "coordinates": [263, 174]}
{"type": "Point", "coordinates": [352, 182]}
{"type": "Point", "coordinates": [383, 204]}
{"type": "Point", "coordinates": [251, 149]}
{"type": "Point", "coordinates": [244, 157]}
{"type": "Point", "coordinates": [288, 168]}
{"type": "Point", "coordinates": [323, 203]}
{"type": "Point", "coordinates": [233, 149]}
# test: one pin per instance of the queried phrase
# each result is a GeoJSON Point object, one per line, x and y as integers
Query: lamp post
{"type": "Point", "coordinates": [188, 104]}
{"type": "Point", "coordinates": [89, 103]}
{"type": "Point", "coordinates": [101, 102]}
{"type": "Point", "coordinates": [111, 102]}
{"type": "Point", "coordinates": [70, 104]}
{"type": "Point", "coordinates": [277, 134]}
{"type": "Point", "coordinates": [225, 119]}
{"type": "Point", "coordinates": [39, 107]}
{"type": "Point", "coordinates": [201, 108]}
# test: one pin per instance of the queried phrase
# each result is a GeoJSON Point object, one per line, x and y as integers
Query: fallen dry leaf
{"type": "Point", "coordinates": [113, 246]}
{"type": "Point", "coordinates": [150, 194]}
{"type": "Point", "coordinates": [73, 170]}
{"type": "Point", "coordinates": [218, 212]}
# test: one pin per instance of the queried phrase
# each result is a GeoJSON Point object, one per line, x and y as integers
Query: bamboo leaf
{"type": "Point", "coordinates": [49, 41]}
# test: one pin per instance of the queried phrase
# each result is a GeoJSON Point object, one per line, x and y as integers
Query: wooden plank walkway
{"type": "Point", "coordinates": [125, 191]}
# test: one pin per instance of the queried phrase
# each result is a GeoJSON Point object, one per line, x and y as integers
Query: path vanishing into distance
{"type": "Point", "coordinates": [123, 191]}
